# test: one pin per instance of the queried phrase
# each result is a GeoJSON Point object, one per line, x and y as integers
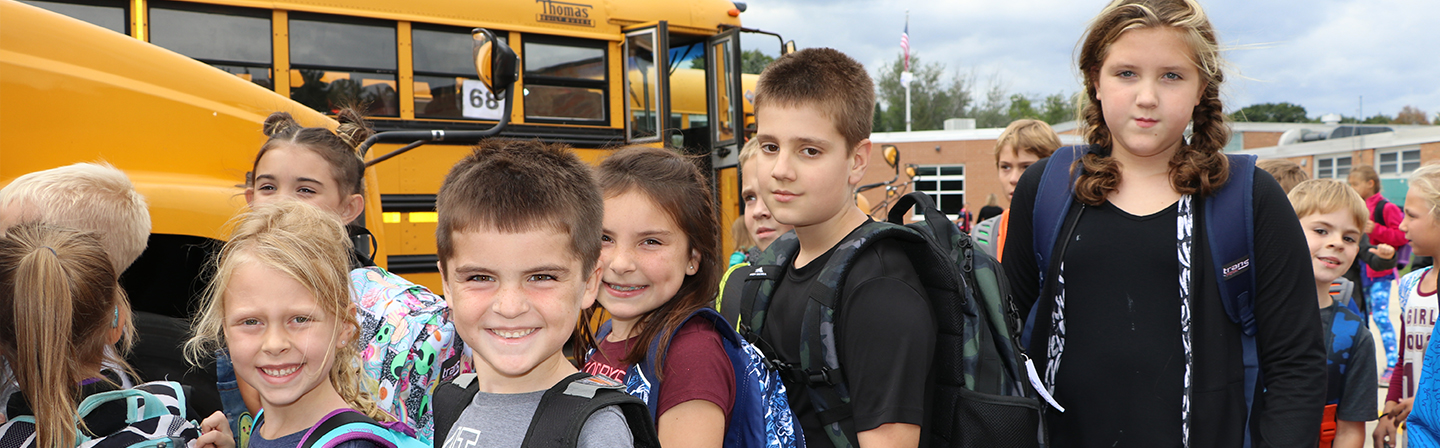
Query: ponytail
{"type": "Point", "coordinates": [58, 302]}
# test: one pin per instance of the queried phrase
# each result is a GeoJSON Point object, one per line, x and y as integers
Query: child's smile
{"type": "Point", "coordinates": [645, 257]}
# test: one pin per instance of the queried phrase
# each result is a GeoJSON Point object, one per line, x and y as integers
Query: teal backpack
{"type": "Point", "coordinates": [150, 415]}
{"type": "Point", "coordinates": [981, 396]}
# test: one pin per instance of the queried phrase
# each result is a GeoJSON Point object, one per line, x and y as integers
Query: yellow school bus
{"type": "Point", "coordinates": [594, 74]}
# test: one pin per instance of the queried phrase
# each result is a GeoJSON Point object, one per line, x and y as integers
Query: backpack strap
{"type": "Point", "coordinates": [1053, 198]}
{"type": "Point", "coordinates": [346, 425]}
{"type": "Point", "coordinates": [760, 286]}
{"type": "Point", "coordinates": [564, 409]}
{"type": "Point", "coordinates": [451, 399]}
{"type": "Point", "coordinates": [1230, 231]}
{"type": "Point", "coordinates": [1378, 215]}
{"type": "Point", "coordinates": [731, 286]}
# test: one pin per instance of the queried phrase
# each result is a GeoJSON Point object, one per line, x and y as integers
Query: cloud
{"type": "Point", "coordinates": [1322, 54]}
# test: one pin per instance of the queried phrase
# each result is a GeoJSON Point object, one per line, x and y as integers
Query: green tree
{"type": "Point", "coordinates": [1378, 119]}
{"type": "Point", "coordinates": [1057, 109]}
{"type": "Point", "coordinates": [1020, 108]}
{"type": "Point", "coordinates": [993, 113]}
{"type": "Point", "coordinates": [754, 61]}
{"type": "Point", "coordinates": [1271, 113]}
{"type": "Point", "coordinates": [933, 97]}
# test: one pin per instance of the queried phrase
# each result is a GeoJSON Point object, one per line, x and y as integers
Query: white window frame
{"type": "Point", "coordinates": [1396, 168]}
{"type": "Point", "coordinates": [935, 194]}
{"type": "Point", "coordinates": [1333, 171]}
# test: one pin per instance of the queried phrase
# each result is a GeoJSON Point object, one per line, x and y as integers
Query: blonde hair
{"type": "Point", "coordinates": [1426, 181]}
{"type": "Point", "coordinates": [747, 152]}
{"type": "Point", "coordinates": [94, 197]}
{"type": "Point", "coordinates": [1028, 135]}
{"type": "Point", "coordinates": [59, 300]}
{"type": "Point", "coordinates": [741, 233]}
{"type": "Point", "coordinates": [309, 245]}
{"type": "Point", "coordinates": [1287, 173]}
{"type": "Point", "coordinates": [1327, 195]}
{"type": "Point", "coordinates": [1199, 166]}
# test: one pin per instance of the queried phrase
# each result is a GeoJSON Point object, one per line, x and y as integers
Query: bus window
{"type": "Point", "coordinates": [110, 14]}
{"type": "Point", "coordinates": [642, 85]}
{"type": "Point", "coordinates": [189, 28]}
{"type": "Point", "coordinates": [343, 62]}
{"type": "Point", "coordinates": [564, 80]}
{"type": "Point", "coordinates": [443, 61]}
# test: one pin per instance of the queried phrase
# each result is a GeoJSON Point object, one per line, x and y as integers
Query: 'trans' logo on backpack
{"type": "Point", "coordinates": [1236, 267]}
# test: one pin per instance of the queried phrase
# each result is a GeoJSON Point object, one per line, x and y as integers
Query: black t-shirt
{"type": "Point", "coordinates": [1289, 339]}
{"type": "Point", "coordinates": [887, 338]}
{"type": "Point", "coordinates": [1122, 332]}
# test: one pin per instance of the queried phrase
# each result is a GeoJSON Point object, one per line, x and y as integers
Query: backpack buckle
{"type": "Point", "coordinates": [823, 377]}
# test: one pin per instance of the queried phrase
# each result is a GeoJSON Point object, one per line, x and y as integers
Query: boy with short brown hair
{"type": "Point", "coordinates": [814, 109]}
{"type": "Point", "coordinates": [518, 239]}
{"type": "Point", "coordinates": [1020, 145]}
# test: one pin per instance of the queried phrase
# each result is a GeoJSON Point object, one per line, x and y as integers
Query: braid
{"type": "Point", "coordinates": [1101, 174]}
{"type": "Point", "coordinates": [1201, 167]}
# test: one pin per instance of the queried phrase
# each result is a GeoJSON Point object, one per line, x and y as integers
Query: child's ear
{"type": "Point", "coordinates": [352, 207]}
{"type": "Point", "coordinates": [592, 288]}
{"type": "Point", "coordinates": [122, 316]}
{"type": "Point", "coordinates": [694, 261]}
{"type": "Point", "coordinates": [249, 195]}
{"type": "Point", "coordinates": [859, 162]}
{"type": "Point", "coordinates": [347, 336]}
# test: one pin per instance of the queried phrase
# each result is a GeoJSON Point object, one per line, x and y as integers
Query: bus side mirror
{"type": "Point", "coordinates": [787, 48]}
{"type": "Point", "coordinates": [892, 155]}
{"type": "Point", "coordinates": [495, 62]}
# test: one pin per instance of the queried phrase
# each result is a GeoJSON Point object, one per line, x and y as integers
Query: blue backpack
{"type": "Point", "coordinates": [761, 416]}
{"type": "Point", "coordinates": [1229, 228]}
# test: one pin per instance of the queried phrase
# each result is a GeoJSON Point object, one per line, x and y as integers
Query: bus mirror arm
{"type": "Point", "coordinates": [418, 138]}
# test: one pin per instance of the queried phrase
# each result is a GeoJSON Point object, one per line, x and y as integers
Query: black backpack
{"type": "Point", "coordinates": [981, 396]}
{"type": "Point", "coordinates": [562, 412]}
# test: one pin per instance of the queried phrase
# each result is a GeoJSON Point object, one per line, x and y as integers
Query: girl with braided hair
{"type": "Point", "coordinates": [1130, 334]}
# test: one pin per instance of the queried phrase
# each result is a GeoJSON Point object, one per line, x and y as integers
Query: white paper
{"type": "Point", "coordinates": [1040, 386]}
{"type": "Point", "coordinates": [478, 103]}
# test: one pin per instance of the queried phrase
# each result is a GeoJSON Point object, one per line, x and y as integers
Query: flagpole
{"type": "Point", "coordinates": [907, 73]}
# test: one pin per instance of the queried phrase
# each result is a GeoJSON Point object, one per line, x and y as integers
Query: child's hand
{"type": "Point", "coordinates": [1402, 410]}
{"type": "Point", "coordinates": [215, 432]}
{"type": "Point", "coordinates": [1385, 251]}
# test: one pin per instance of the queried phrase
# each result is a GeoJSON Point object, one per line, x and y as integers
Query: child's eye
{"type": "Point", "coordinates": [1173, 76]}
{"type": "Point", "coordinates": [542, 278]}
{"type": "Point", "coordinates": [480, 278]}
{"type": "Point", "coordinates": [306, 190]}
{"type": "Point", "coordinates": [1024, 166]}
{"type": "Point", "coordinates": [651, 242]}
{"type": "Point", "coordinates": [604, 239]}
{"type": "Point", "coordinates": [811, 152]}
{"type": "Point", "coordinates": [1351, 239]}
{"type": "Point", "coordinates": [249, 322]}
{"type": "Point", "coordinates": [1126, 74]}
{"type": "Point", "coordinates": [749, 198]}
{"type": "Point", "coordinates": [1321, 232]}
{"type": "Point", "coordinates": [266, 187]}
{"type": "Point", "coordinates": [301, 319]}
{"type": "Point", "coordinates": [769, 147]}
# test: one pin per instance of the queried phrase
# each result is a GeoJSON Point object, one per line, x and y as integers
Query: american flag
{"type": "Point", "coordinates": [905, 44]}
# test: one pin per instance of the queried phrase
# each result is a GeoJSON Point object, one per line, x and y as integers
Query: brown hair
{"type": "Point", "coordinates": [827, 80]}
{"type": "Point", "coordinates": [517, 185]}
{"type": "Point", "coordinates": [1328, 195]}
{"type": "Point", "coordinates": [312, 248]}
{"type": "Point", "coordinates": [59, 300]}
{"type": "Point", "coordinates": [1199, 166]}
{"type": "Point", "coordinates": [1367, 173]}
{"type": "Point", "coordinates": [675, 184]}
{"type": "Point", "coordinates": [1027, 135]}
{"type": "Point", "coordinates": [1287, 173]}
{"type": "Point", "coordinates": [338, 148]}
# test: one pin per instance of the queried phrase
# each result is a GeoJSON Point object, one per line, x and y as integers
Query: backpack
{"type": "Point", "coordinates": [987, 235]}
{"type": "Point", "coordinates": [761, 415]}
{"type": "Point", "coordinates": [411, 345]}
{"type": "Point", "coordinates": [345, 425]}
{"type": "Point", "coordinates": [1229, 228]}
{"type": "Point", "coordinates": [561, 414]}
{"type": "Point", "coordinates": [980, 395]}
{"type": "Point", "coordinates": [150, 415]}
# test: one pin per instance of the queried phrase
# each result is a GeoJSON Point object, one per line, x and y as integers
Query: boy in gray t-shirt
{"type": "Point", "coordinates": [518, 240]}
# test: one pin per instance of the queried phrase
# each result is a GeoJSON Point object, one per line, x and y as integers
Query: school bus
{"type": "Point", "coordinates": [595, 74]}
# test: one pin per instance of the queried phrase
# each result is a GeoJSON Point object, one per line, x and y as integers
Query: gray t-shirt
{"type": "Point", "coordinates": [501, 420]}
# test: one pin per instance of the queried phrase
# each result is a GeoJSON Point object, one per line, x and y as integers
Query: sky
{"type": "Point", "coordinates": [1330, 56]}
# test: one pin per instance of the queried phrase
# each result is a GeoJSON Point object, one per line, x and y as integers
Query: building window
{"type": "Point", "coordinates": [338, 62]}
{"type": "Point", "coordinates": [565, 79]}
{"type": "Point", "coordinates": [946, 186]}
{"type": "Point", "coordinates": [108, 14]}
{"type": "Point", "coordinates": [1337, 167]}
{"type": "Point", "coordinates": [444, 60]}
{"type": "Point", "coordinates": [190, 28]}
{"type": "Point", "coordinates": [1397, 162]}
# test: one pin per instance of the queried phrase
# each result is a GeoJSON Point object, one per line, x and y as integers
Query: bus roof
{"type": "Point", "coordinates": [596, 19]}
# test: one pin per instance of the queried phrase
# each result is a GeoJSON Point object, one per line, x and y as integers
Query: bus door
{"type": "Point", "coordinates": [647, 103]}
{"type": "Point", "coordinates": [724, 92]}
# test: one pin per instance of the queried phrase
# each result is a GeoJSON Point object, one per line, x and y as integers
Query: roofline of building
{"type": "Point", "coordinates": [952, 136]}
{"type": "Point", "coordinates": [1403, 136]}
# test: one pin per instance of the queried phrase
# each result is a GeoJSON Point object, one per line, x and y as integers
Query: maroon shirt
{"type": "Point", "coordinates": [695, 368]}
